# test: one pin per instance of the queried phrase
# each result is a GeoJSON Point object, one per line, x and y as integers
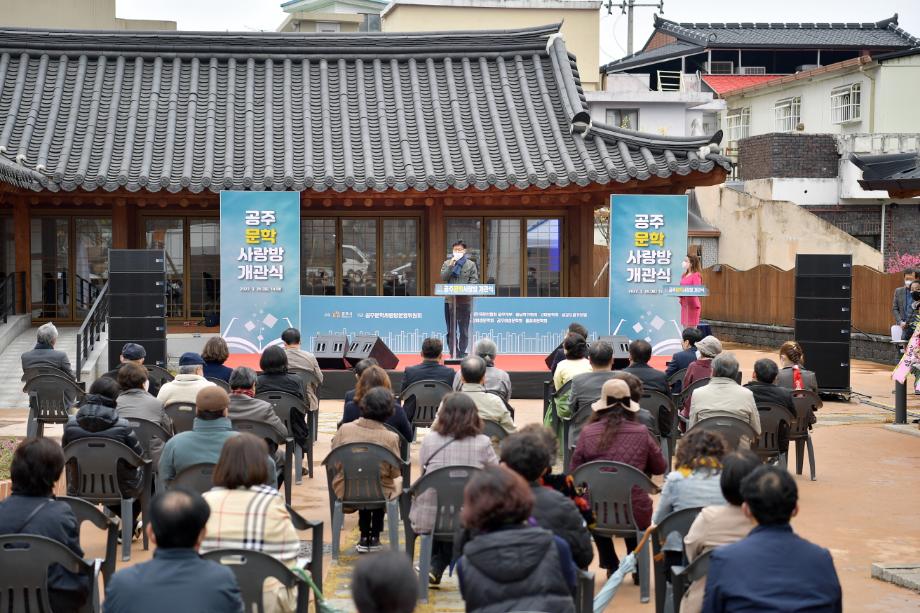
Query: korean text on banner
{"type": "Point", "coordinates": [648, 241]}
{"type": "Point", "coordinates": [259, 268]}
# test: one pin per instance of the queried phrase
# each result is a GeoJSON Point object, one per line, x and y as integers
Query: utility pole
{"type": "Point", "coordinates": [627, 6]}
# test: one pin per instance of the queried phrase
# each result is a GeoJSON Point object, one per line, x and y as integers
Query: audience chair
{"type": "Point", "coordinates": [85, 511]}
{"type": "Point", "coordinates": [195, 478]}
{"type": "Point", "coordinates": [733, 429]}
{"type": "Point", "coordinates": [679, 522]}
{"type": "Point", "coordinates": [775, 423]}
{"type": "Point", "coordinates": [448, 483]}
{"type": "Point", "coordinates": [683, 576]}
{"type": "Point", "coordinates": [359, 464]}
{"type": "Point", "coordinates": [663, 411]}
{"type": "Point", "coordinates": [427, 395]}
{"type": "Point", "coordinates": [806, 403]}
{"type": "Point", "coordinates": [220, 383]}
{"type": "Point", "coordinates": [688, 391]}
{"type": "Point", "coordinates": [264, 431]}
{"type": "Point", "coordinates": [584, 591]}
{"type": "Point", "coordinates": [560, 416]}
{"type": "Point", "coordinates": [158, 374]}
{"type": "Point", "coordinates": [284, 404]}
{"type": "Point", "coordinates": [25, 559]}
{"type": "Point", "coordinates": [567, 444]}
{"type": "Point", "coordinates": [182, 415]}
{"type": "Point", "coordinates": [310, 380]}
{"type": "Point", "coordinates": [315, 562]}
{"type": "Point", "coordinates": [610, 486]}
{"type": "Point", "coordinates": [34, 371]}
{"type": "Point", "coordinates": [96, 480]}
{"type": "Point", "coordinates": [403, 453]}
{"type": "Point", "coordinates": [51, 399]}
{"type": "Point", "coordinates": [494, 430]}
{"type": "Point", "coordinates": [252, 568]}
{"type": "Point", "coordinates": [677, 379]}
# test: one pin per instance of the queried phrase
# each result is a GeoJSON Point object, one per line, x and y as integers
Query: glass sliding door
{"type": "Point", "coordinates": [544, 257]}
{"type": "Point", "coordinates": [204, 267]}
{"type": "Point", "coordinates": [317, 256]}
{"type": "Point", "coordinates": [503, 256]}
{"type": "Point", "coordinates": [400, 257]}
{"type": "Point", "coordinates": [359, 257]}
{"type": "Point", "coordinates": [168, 233]}
{"type": "Point", "coordinates": [92, 239]}
{"type": "Point", "coordinates": [468, 230]}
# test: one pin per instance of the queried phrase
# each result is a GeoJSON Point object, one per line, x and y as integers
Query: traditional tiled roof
{"type": "Point", "coordinates": [723, 84]}
{"type": "Point", "coordinates": [896, 173]}
{"type": "Point", "coordinates": [372, 111]}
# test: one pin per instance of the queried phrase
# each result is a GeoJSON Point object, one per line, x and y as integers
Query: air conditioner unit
{"type": "Point", "coordinates": [752, 70]}
{"type": "Point", "coordinates": [805, 67]}
{"type": "Point", "coordinates": [719, 67]}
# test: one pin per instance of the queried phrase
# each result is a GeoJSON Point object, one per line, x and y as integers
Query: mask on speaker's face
{"type": "Point", "coordinates": [915, 295]}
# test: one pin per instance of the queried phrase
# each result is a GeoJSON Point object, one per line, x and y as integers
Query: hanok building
{"type": "Point", "coordinates": [397, 143]}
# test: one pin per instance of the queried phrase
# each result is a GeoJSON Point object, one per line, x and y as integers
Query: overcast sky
{"type": "Point", "coordinates": [267, 15]}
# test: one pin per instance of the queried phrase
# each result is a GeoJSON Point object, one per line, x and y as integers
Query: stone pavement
{"type": "Point", "coordinates": [11, 394]}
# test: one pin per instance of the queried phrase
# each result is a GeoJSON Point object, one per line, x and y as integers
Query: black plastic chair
{"type": "Point", "coordinates": [806, 403]}
{"type": "Point", "coordinates": [584, 592]}
{"type": "Point", "coordinates": [315, 563]}
{"type": "Point", "coordinates": [610, 486]}
{"type": "Point", "coordinates": [147, 433]}
{"type": "Point", "coordinates": [252, 568]}
{"type": "Point", "coordinates": [96, 472]}
{"type": "Point", "coordinates": [663, 412]}
{"type": "Point", "coordinates": [679, 522]}
{"type": "Point", "coordinates": [683, 576]}
{"type": "Point", "coordinates": [493, 430]}
{"type": "Point", "coordinates": [427, 396]}
{"type": "Point", "coordinates": [688, 391]}
{"type": "Point", "coordinates": [85, 511]}
{"type": "Point", "coordinates": [737, 433]}
{"type": "Point", "coordinates": [362, 487]}
{"type": "Point", "coordinates": [195, 478]}
{"type": "Point", "coordinates": [310, 381]}
{"type": "Point", "coordinates": [25, 559]}
{"type": "Point", "coordinates": [284, 404]}
{"type": "Point", "coordinates": [403, 453]}
{"type": "Point", "coordinates": [448, 483]}
{"type": "Point", "coordinates": [677, 379]}
{"type": "Point", "coordinates": [51, 399]}
{"type": "Point", "coordinates": [158, 375]}
{"type": "Point", "coordinates": [34, 371]}
{"type": "Point", "coordinates": [264, 431]}
{"type": "Point", "coordinates": [182, 415]}
{"type": "Point", "coordinates": [775, 424]}
{"type": "Point", "coordinates": [219, 383]}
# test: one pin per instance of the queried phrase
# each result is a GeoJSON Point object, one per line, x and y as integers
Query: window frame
{"type": "Point", "coordinates": [621, 110]}
{"type": "Point", "coordinates": [743, 126]}
{"type": "Point", "coordinates": [788, 121]}
{"type": "Point", "coordinates": [846, 104]}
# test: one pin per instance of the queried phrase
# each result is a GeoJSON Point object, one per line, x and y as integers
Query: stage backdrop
{"type": "Point", "coordinates": [648, 242]}
{"type": "Point", "coordinates": [259, 267]}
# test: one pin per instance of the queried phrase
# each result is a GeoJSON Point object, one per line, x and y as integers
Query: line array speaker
{"type": "Point", "coordinates": [137, 303]}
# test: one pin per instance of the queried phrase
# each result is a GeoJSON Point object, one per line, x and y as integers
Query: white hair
{"type": "Point", "coordinates": [47, 334]}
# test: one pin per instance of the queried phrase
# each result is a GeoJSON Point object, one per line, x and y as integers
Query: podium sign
{"type": "Point", "coordinates": [464, 289]}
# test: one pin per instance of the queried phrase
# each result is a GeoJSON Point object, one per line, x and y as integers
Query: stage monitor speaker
{"type": "Point", "coordinates": [823, 287]}
{"type": "Point", "coordinates": [137, 260]}
{"type": "Point", "coordinates": [138, 305]}
{"type": "Point", "coordinates": [822, 331]}
{"type": "Point", "coordinates": [141, 327]}
{"type": "Point", "coordinates": [620, 346]}
{"type": "Point", "coordinates": [137, 283]}
{"type": "Point", "coordinates": [833, 309]}
{"type": "Point", "coordinates": [364, 346]}
{"type": "Point", "coordinates": [823, 265]}
{"type": "Point", "coordinates": [155, 348]}
{"type": "Point", "coordinates": [830, 363]}
{"type": "Point", "coordinates": [330, 350]}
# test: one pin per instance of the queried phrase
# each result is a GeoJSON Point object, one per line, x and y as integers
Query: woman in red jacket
{"type": "Point", "coordinates": [690, 306]}
{"type": "Point", "coordinates": [614, 434]}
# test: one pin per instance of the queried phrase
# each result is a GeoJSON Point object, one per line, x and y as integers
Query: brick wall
{"type": "Point", "coordinates": [791, 156]}
{"type": "Point", "coordinates": [902, 230]}
{"type": "Point", "coordinates": [659, 39]}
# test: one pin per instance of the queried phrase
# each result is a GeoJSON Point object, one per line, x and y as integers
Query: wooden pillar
{"type": "Point", "coordinates": [120, 229]}
{"type": "Point", "coordinates": [581, 249]}
{"type": "Point", "coordinates": [433, 243]}
{"type": "Point", "coordinates": [22, 226]}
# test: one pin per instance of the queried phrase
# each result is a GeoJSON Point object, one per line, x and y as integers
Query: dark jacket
{"type": "Point", "coordinates": [558, 356]}
{"type": "Point", "coordinates": [900, 305]}
{"type": "Point", "coordinates": [398, 419]}
{"type": "Point", "coordinates": [653, 380]}
{"type": "Point", "coordinates": [46, 355]}
{"type": "Point", "coordinates": [215, 370]}
{"type": "Point", "coordinates": [174, 580]}
{"type": "Point", "coordinates": [280, 382]}
{"type": "Point", "coordinates": [56, 521]}
{"type": "Point", "coordinates": [519, 568]}
{"type": "Point", "coordinates": [428, 370]}
{"type": "Point", "coordinates": [153, 387]}
{"type": "Point", "coordinates": [700, 369]}
{"type": "Point", "coordinates": [559, 515]}
{"type": "Point", "coordinates": [97, 417]}
{"type": "Point", "coordinates": [774, 394]}
{"type": "Point", "coordinates": [772, 569]}
{"type": "Point", "coordinates": [679, 361]}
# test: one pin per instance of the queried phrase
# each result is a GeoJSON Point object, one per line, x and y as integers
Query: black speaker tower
{"type": "Point", "coordinates": [823, 315]}
{"type": "Point", "coordinates": [137, 303]}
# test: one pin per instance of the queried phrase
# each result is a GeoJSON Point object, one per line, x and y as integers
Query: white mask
{"type": "Point", "coordinates": [685, 265]}
{"type": "Point", "coordinates": [459, 254]}
{"type": "Point", "coordinates": [908, 282]}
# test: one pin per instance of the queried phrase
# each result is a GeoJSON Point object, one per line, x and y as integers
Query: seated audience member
{"type": "Point", "coordinates": [586, 387]}
{"type": "Point", "coordinates": [187, 384]}
{"type": "Point", "coordinates": [685, 357]}
{"type": "Point", "coordinates": [202, 444]}
{"type": "Point", "coordinates": [527, 455]}
{"type": "Point", "coordinates": [643, 416]}
{"type": "Point", "coordinates": [177, 578]}
{"type": "Point", "coordinates": [575, 362]}
{"type": "Point", "coordinates": [31, 509]}
{"type": "Point", "coordinates": [132, 353]}
{"type": "Point", "coordinates": [559, 354]}
{"type": "Point", "coordinates": [772, 569]}
{"type": "Point", "coordinates": [719, 524]}
{"type": "Point", "coordinates": [376, 408]}
{"type": "Point", "coordinates": [653, 380]}
{"type": "Point", "coordinates": [44, 353]}
{"type": "Point", "coordinates": [276, 378]}
{"type": "Point", "coordinates": [456, 438]}
{"type": "Point", "coordinates": [214, 354]}
{"type": "Point", "coordinates": [247, 514]}
{"type": "Point", "coordinates": [97, 418]}
{"type": "Point", "coordinates": [614, 434]}
{"type": "Point", "coordinates": [497, 503]}
{"type": "Point", "coordinates": [244, 405]}
{"type": "Point", "coordinates": [497, 380]}
{"type": "Point", "coordinates": [723, 396]}
{"type": "Point", "coordinates": [430, 369]}
{"type": "Point", "coordinates": [490, 406]}
{"type": "Point", "coordinates": [708, 348]}
{"type": "Point", "coordinates": [793, 374]}
{"type": "Point", "coordinates": [384, 583]}
{"type": "Point", "coordinates": [298, 359]}
{"type": "Point", "coordinates": [358, 370]}
{"type": "Point", "coordinates": [372, 377]}
{"type": "Point", "coordinates": [135, 403]}
{"type": "Point", "coordinates": [764, 387]}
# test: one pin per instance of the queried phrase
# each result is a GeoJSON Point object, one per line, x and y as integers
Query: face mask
{"type": "Point", "coordinates": [458, 254]}
{"type": "Point", "coordinates": [685, 265]}
{"type": "Point", "coordinates": [915, 295]}
{"type": "Point", "coordinates": [908, 282]}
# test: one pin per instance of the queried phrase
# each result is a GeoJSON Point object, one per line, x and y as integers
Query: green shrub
{"type": "Point", "coordinates": [7, 446]}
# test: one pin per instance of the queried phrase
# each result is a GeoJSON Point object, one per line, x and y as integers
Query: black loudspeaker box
{"type": "Point", "coordinates": [138, 305]}
{"type": "Point", "coordinates": [830, 363]}
{"type": "Point", "coordinates": [364, 346]}
{"type": "Point", "coordinates": [155, 348]}
{"type": "Point", "coordinates": [620, 346]}
{"type": "Point", "coordinates": [822, 331]}
{"type": "Point", "coordinates": [137, 260]}
{"type": "Point", "coordinates": [140, 327]}
{"type": "Point", "coordinates": [330, 350]}
{"type": "Point", "coordinates": [823, 287]}
{"type": "Point", "coordinates": [836, 309]}
{"type": "Point", "coordinates": [137, 283]}
{"type": "Point", "coordinates": [823, 265]}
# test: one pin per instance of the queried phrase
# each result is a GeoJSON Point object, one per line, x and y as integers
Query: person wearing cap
{"type": "Point", "coordinates": [133, 353]}
{"type": "Point", "coordinates": [613, 433]}
{"type": "Point", "coordinates": [708, 348]}
{"type": "Point", "coordinates": [724, 396]}
{"type": "Point", "coordinates": [187, 384]}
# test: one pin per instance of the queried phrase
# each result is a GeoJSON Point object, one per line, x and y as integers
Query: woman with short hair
{"type": "Point", "coordinates": [214, 354]}
{"type": "Point", "coordinates": [371, 377]}
{"type": "Point", "coordinates": [575, 362]}
{"type": "Point", "coordinates": [247, 514]}
{"type": "Point", "coordinates": [135, 402]}
{"type": "Point", "coordinates": [276, 378]}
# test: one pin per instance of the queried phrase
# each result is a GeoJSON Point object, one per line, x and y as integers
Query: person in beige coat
{"type": "Point", "coordinates": [187, 384]}
{"type": "Point", "coordinates": [298, 359]}
{"type": "Point", "coordinates": [719, 524]}
{"type": "Point", "coordinates": [376, 407]}
{"type": "Point", "coordinates": [723, 396]}
{"type": "Point", "coordinates": [489, 405]}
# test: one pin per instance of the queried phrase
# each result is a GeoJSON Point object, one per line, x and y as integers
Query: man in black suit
{"type": "Point", "coordinates": [44, 353]}
{"type": "Point", "coordinates": [430, 369]}
{"type": "Point", "coordinates": [685, 357]}
{"type": "Point", "coordinates": [653, 380]}
{"type": "Point", "coordinates": [764, 388]}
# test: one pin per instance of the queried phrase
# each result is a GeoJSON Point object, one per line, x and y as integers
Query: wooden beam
{"type": "Point", "coordinates": [22, 227]}
{"type": "Point", "coordinates": [120, 229]}
{"type": "Point", "coordinates": [434, 237]}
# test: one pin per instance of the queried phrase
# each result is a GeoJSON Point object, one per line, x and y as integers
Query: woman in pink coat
{"type": "Point", "coordinates": [690, 305]}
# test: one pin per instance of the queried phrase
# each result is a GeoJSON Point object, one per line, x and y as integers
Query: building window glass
{"type": "Point", "coordinates": [370, 23]}
{"type": "Point", "coordinates": [400, 257]}
{"type": "Point", "coordinates": [204, 267]}
{"type": "Point", "coordinates": [469, 231]}
{"type": "Point", "coordinates": [504, 256]}
{"type": "Point", "coordinates": [623, 118]}
{"type": "Point", "coordinates": [845, 103]}
{"type": "Point", "coordinates": [167, 233]}
{"type": "Point", "coordinates": [544, 257]}
{"type": "Point", "coordinates": [738, 122]}
{"type": "Point", "coordinates": [787, 114]}
{"type": "Point", "coordinates": [317, 246]}
{"type": "Point", "coordinates": [327, 26]}
{"type": "Point", "coordinates": [359, 257]}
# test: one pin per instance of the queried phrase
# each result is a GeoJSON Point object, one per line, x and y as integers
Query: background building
{"type": "Point", "coordinates": [72, 14]}
{"type": "Point", "coordinates": [331, 16]}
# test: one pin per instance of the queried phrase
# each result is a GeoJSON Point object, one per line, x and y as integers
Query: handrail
{"type": "Point", "coordinates": [9, 293]}
{"type": "Point", "coordinates": [91, 329]}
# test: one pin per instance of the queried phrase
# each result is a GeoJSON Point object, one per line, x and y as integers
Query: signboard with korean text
{"type": "Point", "coordinates": [259, 268]}
{"type": "Point", "coordinates": [648, 241]}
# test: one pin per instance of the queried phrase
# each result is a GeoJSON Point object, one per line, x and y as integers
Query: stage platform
{"type": "Point", "coordinates": [527, 372]}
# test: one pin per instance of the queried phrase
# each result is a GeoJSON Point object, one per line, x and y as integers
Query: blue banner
{"type": "Point", "coordinates": [648, 241]}
{"type": "Point", "coordinates": [259, 267]}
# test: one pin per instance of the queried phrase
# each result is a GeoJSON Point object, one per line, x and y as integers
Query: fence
{"type": "Point", "coordinates": [766, 295]}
